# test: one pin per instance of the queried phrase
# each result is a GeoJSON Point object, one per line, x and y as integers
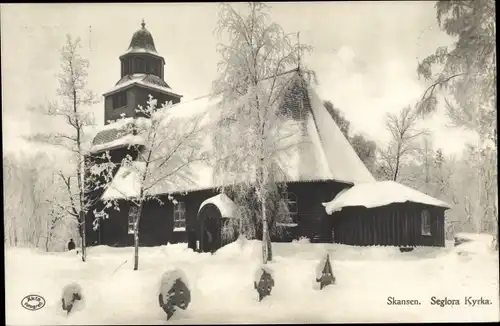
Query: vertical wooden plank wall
{"type": "Point", "coordinates": [393, 225]}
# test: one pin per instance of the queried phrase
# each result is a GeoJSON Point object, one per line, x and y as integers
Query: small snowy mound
{"type": "Point", "coordinates": [174, 292]}
{"type": "Point", "coordinates": [169, 277]}
{"type": "Point", "coordinates": [71, 295]}
{"type": "Point", "coordinates": [241, 249]}
{"type": "Point", "coordinates": [263, 281]}
{"type": "Point", "coordinates": [469, 243]}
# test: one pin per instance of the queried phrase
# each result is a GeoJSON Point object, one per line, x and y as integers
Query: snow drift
{"type": "Point", "coordinates": [222, 290]}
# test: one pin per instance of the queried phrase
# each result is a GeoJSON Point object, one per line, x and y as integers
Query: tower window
{"type": "Point", "coordinates": [153, 69]}
{"type": "Point", "coordinates": [119, 100]}
{"type": "Point", "coordinates": [130, 67]}
{"type": "Point", "coordinates": [124, 68]}
{"type": "Point", "coordinates": [140, 65]}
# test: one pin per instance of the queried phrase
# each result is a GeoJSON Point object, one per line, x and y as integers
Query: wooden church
{"type": "Point", "coordinates": [324, 168]}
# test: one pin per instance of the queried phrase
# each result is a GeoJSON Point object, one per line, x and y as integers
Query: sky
{"type": "Point", "coordinates": [365, 56]}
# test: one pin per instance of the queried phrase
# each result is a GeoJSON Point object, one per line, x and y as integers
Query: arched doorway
{"type": "Point", "coordinates": [209, 233]}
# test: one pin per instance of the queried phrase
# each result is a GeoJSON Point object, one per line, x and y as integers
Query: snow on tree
{"type": "Point", "coordinates": [339, 118]}
{"type": "Point", "coordinates": [170, 148]}
{"type": "Point", "coordinates": [254, 130]}
{"type": "Point", "coordinates": [365, 148]}
{"type": "Point", "coordinates": [465, 73]}
{"type": "Point", "coordinates": [31, 218]}
{"type": "Point", "coordinates": [72, 110]}
{"type": "Point", "coordinates": [403, 145]}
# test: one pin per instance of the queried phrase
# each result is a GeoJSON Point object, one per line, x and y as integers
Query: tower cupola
{"type": "Point", "coordinates": [141, 56]}
{"type": "Point", "coordinates": [142, 41]}
{"type": "Point", "coordinates": [142, 74]}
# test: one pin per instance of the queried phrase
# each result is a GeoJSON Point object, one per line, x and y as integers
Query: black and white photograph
{"type": "Point", "coordinates": [250, 162]}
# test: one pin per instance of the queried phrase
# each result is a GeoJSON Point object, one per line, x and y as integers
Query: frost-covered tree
{"type": "Point", "coordinates": [403, 144]}
{"type": "Point", "coordinates": [71, 109]}
{"type": "Point", "coordinates": [248, 143]}
{"type": "Point", "coordinates": [467, 69]}
{"type": "Point", "coordinates": [170, 148]}
{"type": "Point", "coordinates": [366, 150]}
{"type": "Point", "coordinates": [426, 154]}
{"type": "Point", "coordinates": [465, 75]}
{"type": "Point", "coordinates": [29, 192]}
{"type": "Point", "coordinates": [339, 118]}
{"type": "Point", "coordinates": [364, 147]}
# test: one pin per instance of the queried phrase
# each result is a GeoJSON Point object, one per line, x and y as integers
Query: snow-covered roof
{"type": "Point", "coordinates": [321, 152]}
{"type": "Point", "coordinates": [343, 162]}
{"type": "Point", "coordinates": [126, 140]}
{"type": "Point", "coordinates": [378, 194]}
{"type": "Point", "coordinates": [126, 183]}
{"type": "Point", "coordinates": [225, 205]}
{"type": "Point", "coordinates": [197, 175]}
{"type": "Point", "coordinates": [117, 134]}
{"type": "Point", "coordinates": [141, 50]}
{"type": "Point", "coordinates": [145, 80]}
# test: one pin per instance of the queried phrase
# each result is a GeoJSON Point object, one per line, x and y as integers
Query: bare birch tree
{"type": "Point", "coordinates": [29, 190]}
{"type": "Point", "coordinates": [70, 109]}
{"type": "Point", "coordinates": [166, 160]}
{"type": "Point", "coordinates": [403, 143]}
{"type": "Point", "coordinates": [256, 54]}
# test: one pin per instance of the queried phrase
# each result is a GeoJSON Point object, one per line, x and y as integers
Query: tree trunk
{"type": "Point", "coordinates": [136, 238]}
{"type": "Point", "coordinates": [265, 247]}
{"type": "Point", "coordinates": [269, 247]}
{"type": "Point", "coordinates": [136, 249]}
{"type": "Point", "coordinates": [84, 249]}
{"type": "Point", "coordinates": [47, 242]}
{"type": "Point", "coordinates": [15, 236]}
{"type": "Point", "coordinates": [395, 178]}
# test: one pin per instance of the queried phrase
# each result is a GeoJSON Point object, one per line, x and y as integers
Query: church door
{"type": "Point", "coordinates": [210, 229]}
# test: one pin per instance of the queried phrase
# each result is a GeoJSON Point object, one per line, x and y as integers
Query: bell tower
{"type": "Point", "coordinates": [142, 74]}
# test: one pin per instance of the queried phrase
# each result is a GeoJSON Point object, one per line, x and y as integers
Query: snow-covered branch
{"type": "Point", "coordinates": [253, 60]}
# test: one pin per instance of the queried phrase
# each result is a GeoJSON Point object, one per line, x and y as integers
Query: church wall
{"type": "Point", "coordinates": [156, 226]}
{"type": "Point", "coordinates": [142, 97]}
{"type": "Point", "coordinates": [397, 224]}
{"type": "Point", "coordinates": [313, 221]}
{"type": "Point", "coordinates": [111, 113]}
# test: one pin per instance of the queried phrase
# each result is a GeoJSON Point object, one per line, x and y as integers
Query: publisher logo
{"type": "Point", "coordinates": [33, 302]}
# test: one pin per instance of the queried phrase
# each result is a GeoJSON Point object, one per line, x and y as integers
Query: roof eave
{"type": "Point", "coordinates": [156, 55]}
{"type": "Point", "coordinates": [113, 148]}
{"type": "Point", "coordinates": [135, 83]}
{"type": "Point", "coordinates": [388, 204]}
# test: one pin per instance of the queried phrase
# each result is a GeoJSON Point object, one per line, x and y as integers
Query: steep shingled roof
{"type": "Point", "coordinates": [323, 153]}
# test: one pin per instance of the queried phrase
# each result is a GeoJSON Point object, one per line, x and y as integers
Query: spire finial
{"type": "Point", "coordinates": [143, 24]}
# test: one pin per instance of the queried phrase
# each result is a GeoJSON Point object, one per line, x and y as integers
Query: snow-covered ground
{"type": "Point", "coordinates": [222, 285]}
